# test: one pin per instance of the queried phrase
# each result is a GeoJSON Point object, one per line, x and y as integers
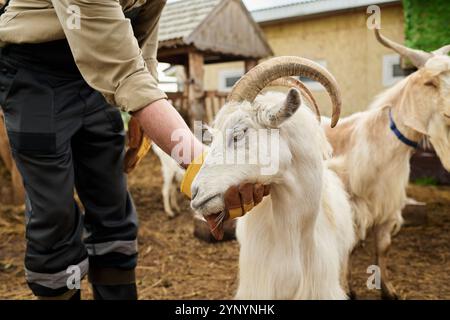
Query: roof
{"type": "Point", "coordinates": [218, 26]}
{"type": "Point", "coordinates": [254, 5]}
{"type": "Point", "coordinates": [179, 19]}
{"type": "Point", "coordinates": [302, 8]}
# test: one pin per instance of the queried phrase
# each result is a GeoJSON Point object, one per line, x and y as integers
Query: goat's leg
{"type": "Point", "coordinates": [382, 244]}
{"type": "Point", "coordinates": [173, 197]}
{"type": "Point", "coordinates": [166, 197]}
{"type": "Point", "coordinates": [346, 277]}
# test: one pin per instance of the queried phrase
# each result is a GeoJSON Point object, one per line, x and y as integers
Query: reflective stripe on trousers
{"type": "Point", "coordinates": [119, 246]}
{"type": "Point", "coordinates": [59, 279]}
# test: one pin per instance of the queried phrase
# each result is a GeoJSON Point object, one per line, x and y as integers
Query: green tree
{"type": "Point", "coordinates": [427, 23]}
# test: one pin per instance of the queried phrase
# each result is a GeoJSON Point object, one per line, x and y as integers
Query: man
{"type": "Point", "coordinates": [64, 64]}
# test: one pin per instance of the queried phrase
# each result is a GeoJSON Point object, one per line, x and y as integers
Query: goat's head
{"type": "Point", "coordinates": [250, 124]}
{"type": "Point", "coordinates": [425, 104]}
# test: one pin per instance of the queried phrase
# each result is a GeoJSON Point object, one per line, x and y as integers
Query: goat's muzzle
{"type": "Point", "coordinates": [215, 223]}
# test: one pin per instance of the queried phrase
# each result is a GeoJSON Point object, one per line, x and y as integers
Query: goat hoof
{"type": "Point", "coordinates": [171, 215]}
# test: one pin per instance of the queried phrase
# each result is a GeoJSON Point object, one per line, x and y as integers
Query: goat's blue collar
{"type": "Point", "coordinates": [400, 135]}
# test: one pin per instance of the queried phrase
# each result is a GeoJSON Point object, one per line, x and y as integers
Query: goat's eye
{"type": "Point", "coordinates": [431, 83]}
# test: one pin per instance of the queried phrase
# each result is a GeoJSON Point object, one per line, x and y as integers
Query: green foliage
{"type": "Point", "coordinates": [427, 23]}
{"type": "Point", "coordinates": [426, 181]}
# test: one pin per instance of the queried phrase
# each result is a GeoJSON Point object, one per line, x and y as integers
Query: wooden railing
{"type": "Point", "coordinates": [212, 102]}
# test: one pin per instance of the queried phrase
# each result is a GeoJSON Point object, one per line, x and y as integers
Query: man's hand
{"type": "Point", "coordinates": [241, 199]}
{"type": "Point", "coordinates": [138, 145]}
{"type": "Point", "coordinates": [238, 201]}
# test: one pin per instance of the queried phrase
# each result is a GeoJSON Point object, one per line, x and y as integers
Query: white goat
{"type": "Point", "coordinates": [295, 244]}
{"type": "Point", "coordinates": [172, 174]}
{"type": "Point", "coordinates": [374, 164]}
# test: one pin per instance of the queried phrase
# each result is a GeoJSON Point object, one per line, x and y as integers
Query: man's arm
{"type": "Point", "coordinates": [107, 53]}
{"type": "Point", "coordinates": [160, 112]}
{"type": "Point", "coordinates": [146, 32]}
{"type": "Point", "coordinates": [110, 60]}
{"type": "Point", "coordinates": [159, 120]}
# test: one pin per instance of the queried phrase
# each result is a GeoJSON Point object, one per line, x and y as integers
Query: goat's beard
{"type": "Point", "coordinates": [215, 223]}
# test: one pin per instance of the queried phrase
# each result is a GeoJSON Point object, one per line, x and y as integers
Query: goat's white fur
{"type": "Point", "coordinates": [172, 174]}
{"type": "Point", "coordinates": [374, 164]}
{"type": "Point", "coordinates": [295, 244]}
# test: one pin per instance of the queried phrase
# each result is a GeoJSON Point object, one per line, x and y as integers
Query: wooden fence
{"type": "Point", "coordinates": [212, 102]}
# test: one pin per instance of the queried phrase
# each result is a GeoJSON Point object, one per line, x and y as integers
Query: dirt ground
{"type": "Point", "coordinates": [175, 265]}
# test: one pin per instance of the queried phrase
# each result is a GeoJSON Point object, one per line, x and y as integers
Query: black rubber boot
{"type": "Point", "coordinates": [115, 292]}
{"type": "Point", "coordinates": [76, 296]}
{"type": "Point", "coordinates": [73, 295]}
{"type": "Point", "coordinates": [113, 283]}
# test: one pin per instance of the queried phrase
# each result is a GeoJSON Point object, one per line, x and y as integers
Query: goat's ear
{"type": "Point", "coordinates": [415, 117]}
{"type": "Point", "coordinates": [280, 113]}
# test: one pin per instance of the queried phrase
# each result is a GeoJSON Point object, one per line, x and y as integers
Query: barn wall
{"type": "Point", "coordinates": [212, 73]}
{"type": "Point", "coordinates": [344, 42]}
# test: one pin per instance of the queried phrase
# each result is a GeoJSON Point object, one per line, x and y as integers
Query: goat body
{"type": "Point", "coordinates": [374, 164]}
{"type": "Point", "coordinates": [374, 167]}
{"type": "Point", "coordinates": [172, 174]}
{"type": "Point", "coordinates": [295, 244]}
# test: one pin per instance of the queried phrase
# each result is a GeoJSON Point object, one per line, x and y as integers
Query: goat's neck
{"type": "Point", "coordinates": [296, 198]}
{"type": "Point", "coordinates": [384, 139]}
{"type": "Point", "coordinates": [396, 106]}
{"type": "Point", "coordinates": [407, 131]}
{"type": "Point", "coordinates": [382, 159]}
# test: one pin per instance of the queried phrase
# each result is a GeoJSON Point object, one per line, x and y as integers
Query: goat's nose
{"type": "Point", "coordinates": [194, 192]}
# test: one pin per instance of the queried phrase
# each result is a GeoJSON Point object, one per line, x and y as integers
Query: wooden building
{"type": "Point", "coordinates": [333, 33]}
{"type": "Point", "coordinates": [195, 33]}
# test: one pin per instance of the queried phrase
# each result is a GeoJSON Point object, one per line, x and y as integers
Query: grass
{"type": "Point", "coordinates": [426, 181]}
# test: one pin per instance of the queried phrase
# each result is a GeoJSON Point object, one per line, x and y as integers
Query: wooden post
{"type": "Point", "coordinates": [196, 90]}
{"type": "Point", "coordinates": [18, 193]}
{"type": "Point", "coordinates": [250, 63]}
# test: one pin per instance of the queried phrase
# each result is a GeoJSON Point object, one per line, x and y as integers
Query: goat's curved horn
{"type": "Point", "coordinates": [442, 51]}
{"type": "Point", "coordinates": [251, 84]}
{"type": "Point", "coordinates": [417, 57]}
{"type": "Point", "coordinates": [295, 83]}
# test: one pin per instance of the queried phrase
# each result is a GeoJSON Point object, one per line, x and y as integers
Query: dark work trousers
{"type": "Point", "coordinates": [65, 136]}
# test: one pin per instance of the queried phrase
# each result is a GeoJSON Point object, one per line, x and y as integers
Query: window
{"type": "Point", "coordinates": [392, 70]}
{"type": "Point", "coordinates": [227, 78]}
{"type": "Point", "coordinates": [311, 84]}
